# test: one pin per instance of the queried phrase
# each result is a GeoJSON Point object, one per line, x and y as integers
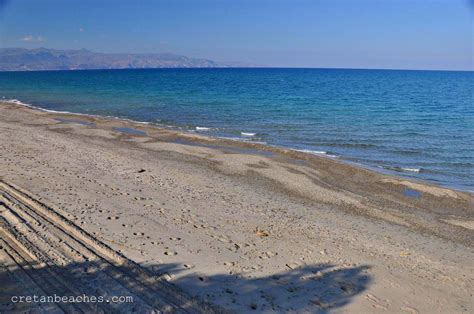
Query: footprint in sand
{"type": "Point", "coordinates": [348, 288]}
{"type": "Point", "coordinates": [409, 309]}
{"type": "Point", "coordinates": [320, 303]}
{"type": "Point", "coordinates": [266, 255]}
{"type": "Point", "coordinates": [376, 302]}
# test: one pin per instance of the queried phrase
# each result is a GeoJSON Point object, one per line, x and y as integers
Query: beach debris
{"type": "Point", "coordinates": [292, 265]}
{"type": "Point", "coordinates": [141, 171]}
{"type": "Point", "coordinates": [404, 253]}
{"type": "Point", "coordinates": [261, 233]}
{"type": "Point", "coordinates": [170, 253]}
{"type": "Point", "coordinates": [202, 278]}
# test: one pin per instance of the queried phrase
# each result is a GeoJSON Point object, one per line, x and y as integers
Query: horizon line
{"type": "Point", "coordinates": [241, 67]}
{"type": "Point", "coordinates": [221, 67]}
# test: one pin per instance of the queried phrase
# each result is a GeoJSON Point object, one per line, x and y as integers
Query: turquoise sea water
{"type": "Point", "coordinates": [413, 123]}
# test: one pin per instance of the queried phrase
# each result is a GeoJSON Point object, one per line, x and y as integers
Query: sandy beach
{"type": "Point", "coordinates": [187, 223]}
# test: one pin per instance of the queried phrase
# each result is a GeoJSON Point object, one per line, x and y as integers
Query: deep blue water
{"type": "Point", "coordinates": [414, 123]}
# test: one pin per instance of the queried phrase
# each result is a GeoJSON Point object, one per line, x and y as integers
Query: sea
{"type": "Point", "coordinates": [416, 124]}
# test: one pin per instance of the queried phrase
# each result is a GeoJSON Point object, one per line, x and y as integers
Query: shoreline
{"type": "Point", "coordinates": [407, 190]}
{"type": "Point", "coordinates": [397, 172]}
{"type": "Point", "coordinates": [244, 227]}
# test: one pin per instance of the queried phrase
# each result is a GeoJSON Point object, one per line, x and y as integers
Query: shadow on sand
{"type": "Point", "coordinates": [320, 288]}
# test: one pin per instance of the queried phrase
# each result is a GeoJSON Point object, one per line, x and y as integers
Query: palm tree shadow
{"type": "Point", "coordinates": [320, 288]}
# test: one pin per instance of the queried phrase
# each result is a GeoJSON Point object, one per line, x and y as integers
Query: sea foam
{"type": "Point", "coordinates": [411, 169]}
{"type": "Point", "coordinates": [248, 134]}
{"type": "Point", "coordinates": [315, 152]}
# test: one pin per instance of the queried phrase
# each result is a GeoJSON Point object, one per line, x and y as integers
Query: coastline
{"type": "Point", "coordinates": [246, 212]}
{"type": "Point", "coordinates": [246, 137]}
{"type": "Point", "coordinates": [396, 184]}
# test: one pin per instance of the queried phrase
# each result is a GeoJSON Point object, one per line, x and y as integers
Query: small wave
{"type": "Point", "coordinates": [18, 102]}
{"type": "Point", "coordinates": [248, 134]}
{"type": "Point", "coordinates": [403, 169]}
{"type": "Point", "coordinates": [411, 169]}
{"type": "Point", "coordinates": [407, 152]}
{"type": "Point", "coordinates": [351, 145]}
{"type": "Point", "coordinates": [139, 122]}
{"type": "Point", "coordinates": [231, 138]}
{"type": "Point", "coordinates": [239, 139]}
{"type": "Point", "coordinates": [311, 151]}
{"type": "Point", "coordinates": [315, 152]}
{"type": "Point", "coordinates": [202, 128]}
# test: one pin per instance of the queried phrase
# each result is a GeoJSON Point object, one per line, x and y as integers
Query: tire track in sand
{"type": "Point", "coordinates": [44, 253]}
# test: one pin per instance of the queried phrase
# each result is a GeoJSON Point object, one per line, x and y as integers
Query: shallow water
{"type": "Point", "coordinates": [411, 193]}
{"type": "Point", "coordinates": [417, 124]}
{"type": "Point", "coordinates": [130, 131]}
{"type": "Point", "coordinates": [76, 121]}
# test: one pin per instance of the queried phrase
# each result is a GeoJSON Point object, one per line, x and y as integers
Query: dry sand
{"type": "Point", "coordinates": [188, 223]}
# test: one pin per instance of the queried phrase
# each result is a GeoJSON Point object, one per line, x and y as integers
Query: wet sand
{"type": "Point", "coordinates": [244, 226]}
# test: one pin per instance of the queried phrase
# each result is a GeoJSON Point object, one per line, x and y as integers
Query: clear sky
{"type": "Point", "coordinates": [407, 34]}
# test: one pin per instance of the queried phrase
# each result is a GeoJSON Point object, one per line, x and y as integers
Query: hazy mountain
{"type": "Point", "coordinates": [19, 59]}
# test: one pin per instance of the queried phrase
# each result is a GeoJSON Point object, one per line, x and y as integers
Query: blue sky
{"type": "Point", "coordinates": [406, 34]}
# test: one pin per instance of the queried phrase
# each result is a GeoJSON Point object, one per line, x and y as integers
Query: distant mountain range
{"type": "Point", "coordinates": [20, 59]}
